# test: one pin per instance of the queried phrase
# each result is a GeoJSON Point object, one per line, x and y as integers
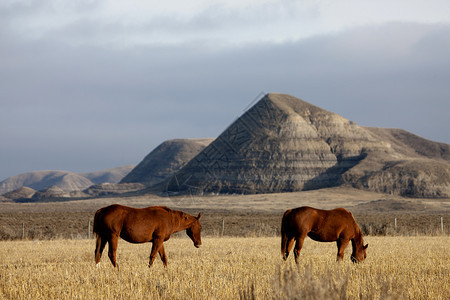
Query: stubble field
{"type": "Point", "coordinates": [226, 268]}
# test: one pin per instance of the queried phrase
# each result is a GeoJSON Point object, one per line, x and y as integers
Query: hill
{"type": "Point", "coordinates": [20, 193]}
{"type": "Point", "coordinates": [165, 160]}
{"type": "Point", "coordinates": [284, 144]}
{"type": "Point", "coordinates": [113, 175]}
{"type": "Point", "coordinates": [412, 145]}
{"type": "Point", "coordinates": [66, 181]}
{"type": "Point", "coordinates": [40, 180]}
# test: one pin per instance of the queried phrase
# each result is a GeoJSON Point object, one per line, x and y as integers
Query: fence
{"type": "Point", "coordinates": [259, 225]}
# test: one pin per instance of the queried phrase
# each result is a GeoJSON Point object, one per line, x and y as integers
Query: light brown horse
{"type": "Point", "coordinates": [337, 225]}
{"type": "Point", "coordinates": [140, 225]}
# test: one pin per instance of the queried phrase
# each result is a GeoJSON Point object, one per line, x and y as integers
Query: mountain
{"type": "Point", "coordinates": [284, 144]}
{"type": "Point", "coordinates": [67, 181]}
{"type": "Point", "coordinates": [281, 144]}
{"type": "Point", "coordinates": [165, 160]}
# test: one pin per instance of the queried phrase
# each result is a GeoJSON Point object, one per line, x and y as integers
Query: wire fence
{"type": "Point", "coordinates": [244, 225]}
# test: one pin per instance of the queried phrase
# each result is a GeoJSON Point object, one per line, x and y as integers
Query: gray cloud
{"type": "Point", "coordinates": [89, 107]}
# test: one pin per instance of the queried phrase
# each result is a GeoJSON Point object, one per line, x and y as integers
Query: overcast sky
{"type": "Point", "coordinates": [94, 84]}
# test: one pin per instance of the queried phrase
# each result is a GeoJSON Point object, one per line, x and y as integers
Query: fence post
{"type": "Point", "coordinates": [89, 229]}
{"type": "Point", "coordinates": [395, 223]}
{"type": "Point", "coordinates": [223, 226]}
{"type": "Point", "coordinates": [442, 224]}
{"type": "Point", "coordinates": [23, 231]}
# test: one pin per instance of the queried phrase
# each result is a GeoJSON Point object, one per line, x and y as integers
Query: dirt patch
{"type": "Point", "coordinates": [384, 205]}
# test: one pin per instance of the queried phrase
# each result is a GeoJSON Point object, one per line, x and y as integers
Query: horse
{"type": "Point", "coordinates": [336, 225]}
{"type": "Point", "coordinates": [140, 225]}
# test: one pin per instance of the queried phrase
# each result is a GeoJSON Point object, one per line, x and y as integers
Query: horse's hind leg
{"type": "Point", "coordinates": [162, 254]}
{"type": "Point", "coordinates": [113, 249]}
{"type": "Point", "coordinates": [157, 245]}
{"type": "Point", "coordinates": [298, 247]}
{"type": "Point", "coordinates": [287, 244]}
{"type": "Point", "coordinates": [100, 245]}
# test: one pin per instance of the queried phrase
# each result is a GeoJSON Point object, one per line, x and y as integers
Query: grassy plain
{"type": "Point", "coordinates": [414, 267]}
{"type": "Point", "coordinates": [240, 256]}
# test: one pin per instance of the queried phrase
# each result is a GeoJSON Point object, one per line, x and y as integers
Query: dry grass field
{"type": "Point", "coordinates": [45, 252]}
{"type": "Point", "coordinates": [226, 268]}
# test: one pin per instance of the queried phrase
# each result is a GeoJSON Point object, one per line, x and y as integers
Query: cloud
{"type": "Point", "coordinates": [84, 96]}
{"type": "Point", "coordinates": [218, 23]}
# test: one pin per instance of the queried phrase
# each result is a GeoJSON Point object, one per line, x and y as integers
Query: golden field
{"type": "Point", "coordinates": [416, 267]}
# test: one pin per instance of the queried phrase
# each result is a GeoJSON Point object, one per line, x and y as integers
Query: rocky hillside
{"type": "Point", "coordinates": [285, 144]}
{"type": "Point", "coordinates": [165, 160]}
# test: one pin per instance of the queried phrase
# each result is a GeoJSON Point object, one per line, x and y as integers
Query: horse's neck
{"type": "Point", "coordinates": [179, 221]}
{"type": "Point", "coordinates": [357, 241]}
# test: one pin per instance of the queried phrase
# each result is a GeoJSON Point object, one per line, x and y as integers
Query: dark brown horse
{"type": "Point", "coordinates": [337, 225]}
{"type": "Point", "coordinates": [140, 225]}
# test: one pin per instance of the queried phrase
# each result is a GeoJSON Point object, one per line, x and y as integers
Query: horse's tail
{"type": "Point", "coordinates": [284, 236]}
{"type": "Point", "coordinates": [284, 245]}
{"type": "Point", "coordinates": [97, 220]}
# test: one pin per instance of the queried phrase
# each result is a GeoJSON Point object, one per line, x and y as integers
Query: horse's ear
{"type": "Point", "coordinates": [199, 215]}
{"type": "Point", "coordinates": [365, 247]}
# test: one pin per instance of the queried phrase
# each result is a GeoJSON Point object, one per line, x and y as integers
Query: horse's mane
{"type": "Point", "coordinates": [358, 233]}
{"type": "Point", "coordinates": [166, 208]}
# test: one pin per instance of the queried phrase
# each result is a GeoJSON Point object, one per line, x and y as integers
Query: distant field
{"type": "Point", "coordinates": [226, 268]}
{"type": "Point", "coordinates": [75, 225]}
{"type": "Point", "coordinates": [234, 215]}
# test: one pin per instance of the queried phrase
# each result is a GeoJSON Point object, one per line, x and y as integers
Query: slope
{"type": "Point", "coordinates": [165, 160]}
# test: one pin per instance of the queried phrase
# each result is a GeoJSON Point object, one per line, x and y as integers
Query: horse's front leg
{"type": "Point", "coordinates": [341, 245]}
{"type": "Point", "coordinates": [157, 244]}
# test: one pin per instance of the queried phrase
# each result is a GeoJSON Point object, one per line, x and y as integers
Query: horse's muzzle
{"type": "Point", "coordinates": [354, 259]}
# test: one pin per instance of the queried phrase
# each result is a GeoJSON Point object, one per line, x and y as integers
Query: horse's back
{"type": "Point", "coordinates": [154, 217]}
{"type": "Point", "coordinates": [317, 223]}
{"type": "Point", "coordinates": [307, 212]}
{"type": "Point", "coordinates": [302, 214]}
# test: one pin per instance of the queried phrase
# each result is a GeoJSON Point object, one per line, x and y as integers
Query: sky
{"type": "Point", "coordinates": [94, 84]}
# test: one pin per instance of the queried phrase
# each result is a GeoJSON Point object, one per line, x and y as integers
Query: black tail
{"type": "Point", "coordinates": [97, 219]}
{"type": "Point", "coordinates": [284, 237]}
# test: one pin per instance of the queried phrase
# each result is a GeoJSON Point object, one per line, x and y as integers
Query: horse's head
{"type": "Point", "coordinates": [359, 253]}
{"type": "Point", "coordinates": [193, 231]}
